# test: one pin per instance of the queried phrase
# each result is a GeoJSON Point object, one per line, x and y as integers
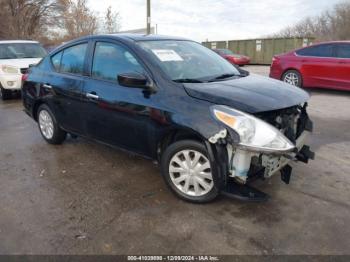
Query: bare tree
{"type": "Point", "coordinates": [111, 21]}
{"type": "Point", "coordinates": [28, 18]}
{"type": "Point", "coordinates": [330, 25]}
{"type": "Point", "coordinates": [53, 21]}
{"type": "Point", "coordinates": [79, 20]}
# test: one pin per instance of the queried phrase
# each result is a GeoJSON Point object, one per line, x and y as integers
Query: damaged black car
{"type": "Point", "coordinates": [212, 127]}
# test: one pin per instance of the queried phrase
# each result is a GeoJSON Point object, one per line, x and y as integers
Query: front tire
{"type": "Point", "coordinates": [4, 94]}
{"type": "Point", "coordinates": [293, 77]}
{"type": "Point", "coordinates": [187, 171]}
{"type": "Point", "coordinates": [49, 127]}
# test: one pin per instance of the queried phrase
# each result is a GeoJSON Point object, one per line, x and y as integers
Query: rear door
{"type": "Point", "coordinates": [66, 83]}
{"type": "Point", "coordinates": [318, 65]}
{"type": "Point", "coordinates": [343, 72]}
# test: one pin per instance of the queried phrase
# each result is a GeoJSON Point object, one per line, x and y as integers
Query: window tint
{"type": "Point", "coordinates": [318, 51]}
{"type": "Point", "coordinates": [343, 50]}
{"type": "Point", "coordinates": [111, 60]}
{"type": "Point", "coordinates": [73, 59]}
{"type": "Point", "coordinates": [21, 50]}
{"type": "Point", "coordinates": [56, 60]}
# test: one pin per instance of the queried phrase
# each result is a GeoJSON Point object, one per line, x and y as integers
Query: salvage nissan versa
{"type": "Point", "coordinates": [213, 128]}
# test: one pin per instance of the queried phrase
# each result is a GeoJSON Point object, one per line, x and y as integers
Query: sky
{"type": "Point", "coordinates": [214, 20]}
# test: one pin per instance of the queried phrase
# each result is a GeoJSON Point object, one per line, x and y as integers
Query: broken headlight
{"type": "Point", "coordinates": [255, 134]}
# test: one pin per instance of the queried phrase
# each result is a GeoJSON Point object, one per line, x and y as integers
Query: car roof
{"type": "Point", "coordinates": [18, 42]}
{"type": "Point", "coordinates": [143, 37]}
{"type": "Point", "coordinates": [320, 43]}
{"type": "Point", "coordinates": [125, 37]}
{"type": "Point", "coordinates": [134, 37]}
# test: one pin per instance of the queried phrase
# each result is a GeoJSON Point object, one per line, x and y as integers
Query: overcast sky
{"type": "Point", "coordinates": [215, 19]}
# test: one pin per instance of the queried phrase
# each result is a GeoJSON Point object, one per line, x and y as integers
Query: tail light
{"type": "Point", "coordinates": [275, 59]}
{"type": "Point", "coordinates": [24, 77]}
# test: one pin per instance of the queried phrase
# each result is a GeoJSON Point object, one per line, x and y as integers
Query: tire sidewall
{"type": "Point", "coordinates": [56, 130]}
{"type": "Point", "coordinates": [300, 79]}
{"type": "Point", "coordinates": [4, 94]}
{"type": "Point", "coordinates": [165, 161]}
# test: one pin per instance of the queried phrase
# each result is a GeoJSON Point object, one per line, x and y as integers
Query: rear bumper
{"type": "Point", "coordinates": [275, 72]}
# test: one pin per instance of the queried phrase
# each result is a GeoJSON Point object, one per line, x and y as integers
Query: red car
{"type": "Point", "coordinates": [324, 65]}
{"type": "Point", "coordinates": [233, 58]}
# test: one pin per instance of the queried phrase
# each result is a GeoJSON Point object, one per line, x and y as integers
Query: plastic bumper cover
{"type": "Point", "coordinates": [11, 81]}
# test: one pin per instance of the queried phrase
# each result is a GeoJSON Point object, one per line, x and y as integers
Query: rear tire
{"type": "Point", "coordinates": [293, 77]}
{"type": "Point", "coordinates": [4, 94]}
{"type": "Point", "coordinates": [187, 171]}
{"type": "Point", "coordinates": [49, 127]}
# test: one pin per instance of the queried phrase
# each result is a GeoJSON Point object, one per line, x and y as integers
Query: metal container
{"type": "Point", "coordinates": [261, 50]}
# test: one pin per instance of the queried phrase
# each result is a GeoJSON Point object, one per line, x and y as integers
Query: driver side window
{"type": "Point", "coordinates": [111, 59]}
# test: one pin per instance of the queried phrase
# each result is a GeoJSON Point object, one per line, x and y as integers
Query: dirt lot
{"type": "Point", "coordinates": [86, 198]}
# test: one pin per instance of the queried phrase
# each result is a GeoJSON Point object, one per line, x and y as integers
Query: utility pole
{"type": "Point", "coordinates": [148, 17]}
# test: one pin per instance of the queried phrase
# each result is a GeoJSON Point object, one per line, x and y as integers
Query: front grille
{"type": "Point", "coordinates": [24, 70]}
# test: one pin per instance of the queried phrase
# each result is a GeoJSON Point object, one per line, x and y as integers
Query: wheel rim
{"type": "Point", "coordinates": [292, 78]}
{"type": "Point", "coordinates": [190, 172]}
{"type": "Point", "coordinates": [46, 124]}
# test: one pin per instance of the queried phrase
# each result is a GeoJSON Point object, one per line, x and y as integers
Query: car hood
{"type": "Point", "coordinates": [20, 63]}
{"type": "Point", "coordinates": [251, 94]}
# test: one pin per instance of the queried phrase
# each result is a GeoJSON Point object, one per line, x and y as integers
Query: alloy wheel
{"type": "Point", "coordinates": [291, 78]}
{"type": "Point", "coordinates": [46, 124]}
{"type": "Point", "coordinates": [190, 172]}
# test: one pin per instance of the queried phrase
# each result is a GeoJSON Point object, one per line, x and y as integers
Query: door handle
{"type": "Point", "coordinates": [92, 96]}
{"type": "Point", "coordinates": [47, 86]}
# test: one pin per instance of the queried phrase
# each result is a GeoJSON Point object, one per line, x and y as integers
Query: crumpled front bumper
{"type": "Point", "coordinates": [273, 163]}
{"type": "Point", "coordinates": [249, 163]}
{"type": "Point", "coordinates": [269, 166]}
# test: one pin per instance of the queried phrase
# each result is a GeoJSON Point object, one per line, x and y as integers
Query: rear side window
{"type": "Point", "coordinates": [111, 59]}
{"type": "Point", "coordinates": [73, 59]}
{"type": "Point", "coordinates": [317, 51]}
{"type": "Point", "coordinates": [343, 50]}
{"type": "Point", "coordinates": [56, 60]}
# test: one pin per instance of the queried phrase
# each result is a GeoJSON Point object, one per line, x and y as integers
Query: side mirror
{"type": "Point", "coordinates": [133, 80]}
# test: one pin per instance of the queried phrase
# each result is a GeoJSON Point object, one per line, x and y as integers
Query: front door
{"type": "Point", "coordinates": [116, 114]}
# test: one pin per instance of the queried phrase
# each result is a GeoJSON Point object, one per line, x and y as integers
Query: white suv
{"type": "Point", "coordinates": [15, 58]}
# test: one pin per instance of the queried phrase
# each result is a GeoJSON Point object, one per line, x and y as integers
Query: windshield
{"type": "Point", "coordinates": [21, 50]}
{"type": "Point", "coordinates": [188, 61]}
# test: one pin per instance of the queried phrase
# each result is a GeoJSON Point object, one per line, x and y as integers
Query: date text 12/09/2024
{"type": "Point", "coordinates": [173, 258]}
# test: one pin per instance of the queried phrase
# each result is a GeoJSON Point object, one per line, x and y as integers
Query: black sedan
{"type": "Point", "coordinates": [213, 128]}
